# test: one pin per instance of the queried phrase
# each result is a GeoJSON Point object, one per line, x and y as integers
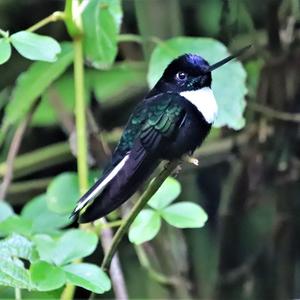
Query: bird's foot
{"type": "Point", "coordinates": [191, 160]}
{"type": "Point", "coordinates": [177, 170]}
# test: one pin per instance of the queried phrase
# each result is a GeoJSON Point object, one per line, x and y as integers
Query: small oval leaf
{"type": "Point", "coordinates": [35, 46]}
{"type": "Point", "coordinates": [63, 193]}
{"type": "Point", "coordinates": [101, 22]}
{"type": "Point", "coordinates": [46, 277]}
{"type": "Point", "coordinates": [185, 215]}
{"type": "Point", "coordinates": [167, 193]}
{"type": "Point", "coordinates": [145, 227]}
{"type": "Point", "coordinates": [88, 276]}
{"type": "Point", "coordinates": [73, 244]}
{"type": "Point", "coordinates": [5, 50]}
{"type": "Point", "coordinates": [43, 220]}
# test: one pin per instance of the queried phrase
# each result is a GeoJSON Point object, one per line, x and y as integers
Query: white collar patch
{"type": "Point", "coordinates": [205, 102]}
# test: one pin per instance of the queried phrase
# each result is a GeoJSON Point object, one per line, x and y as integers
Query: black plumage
{"type": "Point", "coordinates": [171, 121]}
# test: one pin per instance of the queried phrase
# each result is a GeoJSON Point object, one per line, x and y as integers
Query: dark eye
{"type": "Point", "coordinates": [181, 76]}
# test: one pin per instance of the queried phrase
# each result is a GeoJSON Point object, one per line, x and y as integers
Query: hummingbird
{"type": "Point", "coordinates": [171, 121]}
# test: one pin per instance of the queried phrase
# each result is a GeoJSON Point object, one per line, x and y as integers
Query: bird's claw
{"type": "Point", "coordinates": [191, 160]}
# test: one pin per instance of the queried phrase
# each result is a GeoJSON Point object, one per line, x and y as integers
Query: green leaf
{"type": "Point", "coordinates": [101, 22]}
{"type": "Point", "coordinates": [18, 246]}
{"type": "Point", "coordinates": [46, 247]}
{"type": "Point", "coordinates": [12, 270]}
{"type": "Point", "coordinates": [43, 220]}
{"type": "Point", "coordinates": [46, 277]}
{"type": "Point", "coordinates": [35, 47]}
{"type": "Point", "coordinates": [5, 210]}
{"type": "Point", "coordinates": [229, 81]}
{"type": "Point", "coordinates": [88, 276]}
{"type": "Point", "coordinates": [15, 224]}
{"type": "Point", "coordinates": [73, 244]}
{"type": "Point", "coordinates": [33, 82]}
{"type": "Point", "coordinates": [13, 273]}
{"type": "Point", "coordinates": [63, 193]}
{"type": "Point", "coordinates": [145, 227]}
{"type": "Point", "coordinates": [5, 50]}
{"type": "Point", "coordinates": [167, 193]}
{"type": "Point", "coordinates": [185, 215]}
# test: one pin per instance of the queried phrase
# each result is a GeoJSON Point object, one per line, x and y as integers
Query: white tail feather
{"type": "Point", "coordinates": [97, 191]}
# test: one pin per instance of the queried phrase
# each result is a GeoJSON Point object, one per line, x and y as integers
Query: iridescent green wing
{"type": "Point", "coordinates": [164, 116]}
{"type": "Point", "coordinates": [153, 119]}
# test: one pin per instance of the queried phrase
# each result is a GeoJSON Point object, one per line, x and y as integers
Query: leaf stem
{"type": "Point", "coordinates": [155, 275]}
{"type": "Point", "coordinates": [139, 205]}
{"type": "Point", "coordinates": [18, 294]}
{"type": "Point", "coordinates": [5, 34]}
{"type": "Point", "coordinates": [131, 37]}
{"type": "Point", "coordinates": [54, 17]}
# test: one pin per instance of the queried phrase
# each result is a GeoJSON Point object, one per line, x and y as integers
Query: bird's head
{"type": "Point", "coordinates": [190, 76]}
{"type": "Point", "coordinates": [185, 73]}
{"type": "Point", "coordinates": [189, 72]}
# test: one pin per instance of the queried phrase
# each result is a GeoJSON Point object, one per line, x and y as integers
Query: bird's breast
{"type": "Point", "coordinates": [191, 133]}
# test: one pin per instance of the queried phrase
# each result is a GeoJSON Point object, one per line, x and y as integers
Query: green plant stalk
{"type": "Point", "coordinates": [80, 116]}
{"type": "Point", "coordinates": [82, 151]}
{"type": "Point", "coordinates": [54, 17]}
{"type": "Point", "coordinates": [139, 205]}
{"type": "Point", "coordinates": [18, 294]}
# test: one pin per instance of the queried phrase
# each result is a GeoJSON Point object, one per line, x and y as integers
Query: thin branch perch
{"type": "Point", "coordinates": [139, 205]}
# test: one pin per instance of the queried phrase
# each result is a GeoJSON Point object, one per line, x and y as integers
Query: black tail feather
{"type": "Point", "coordinates": [136, 170]}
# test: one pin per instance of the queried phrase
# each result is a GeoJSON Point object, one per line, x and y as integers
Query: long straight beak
{"type": "Point", "coordinates": [227, 59]}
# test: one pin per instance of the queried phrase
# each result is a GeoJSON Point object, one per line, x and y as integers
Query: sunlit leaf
{"type": "Point", "coordinates": [185, 215]}
{"type": "Point", "coordinates": [167, 193]}
{"type": "Point", "coordinates": [88, 276]}
{"type": "Point", "coordinates": [5, 50]}
{"type": "Point", "coordinates": [63, 193]}
{"type": "Point", "coordinates": [35, 46]}
{"type": "Point", "coordinates": [145, 227]}
{"type": "Point", "coordinates": [228, 82]}
{"type": "Point", "coordinates": [101, 23]}
{"type": "Point", "coordinates": [46, 277]}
